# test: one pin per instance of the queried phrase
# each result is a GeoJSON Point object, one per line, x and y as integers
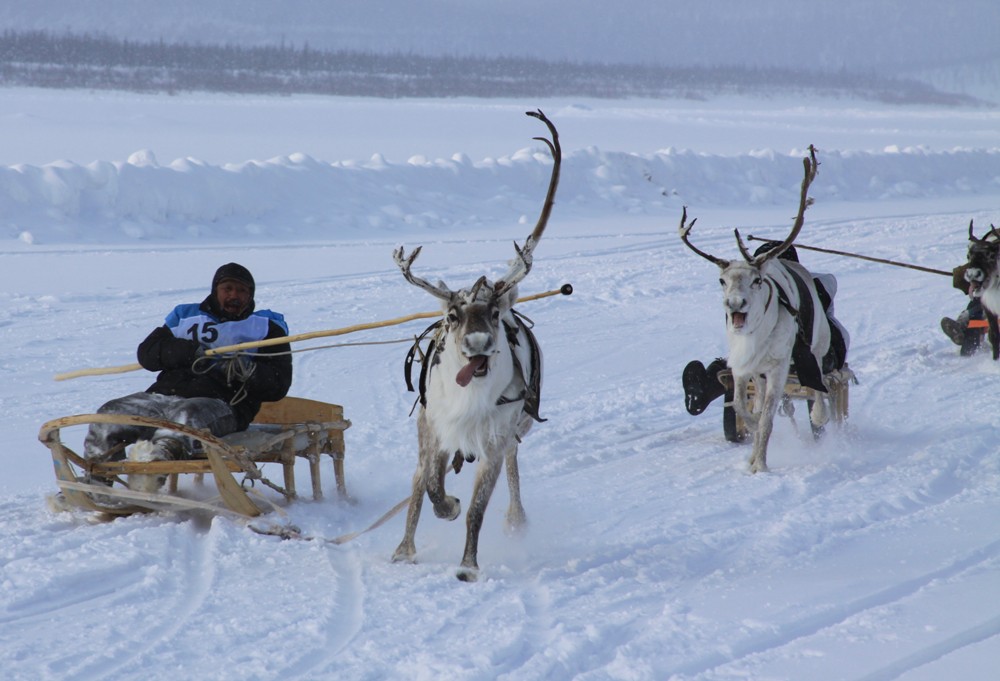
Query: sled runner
{"type": "Point", "coordinates": [837, 386]}
{"type": "Point", "coordinates": [282, 432]}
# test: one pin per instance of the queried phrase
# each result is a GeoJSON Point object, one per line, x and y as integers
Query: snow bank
{"type": "Point", "coordinates": [296, 195]}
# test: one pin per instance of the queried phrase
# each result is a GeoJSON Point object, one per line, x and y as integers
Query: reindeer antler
{"type": "Point", "coordinates": [993, 231]}
{"type": "Point", "coordinates": [521, 265]}
{"type": "Point", "coordinates": [406, 262]}
{"type": "Point", "coordinates": [811, 166]}
{"type": "Point", "coordinates": [685, 228]}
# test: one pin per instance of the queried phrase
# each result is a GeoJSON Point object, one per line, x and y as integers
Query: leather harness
{"type": "Point", "coordinates": [806, 367]}
{"type": "Point", "coordinates": [531, 392]}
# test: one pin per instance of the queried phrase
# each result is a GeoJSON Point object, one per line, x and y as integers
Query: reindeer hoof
{"type": "Point", "coordinates": [516, 524]}
{"type": "Point", "coordinates": [449, 509]}
{"type": "Point", "coordinates": [758, 467]}
{"type": "Point", "coordinates": [467, 574]}
{"type": "Point", "coordinates": [404, 554]}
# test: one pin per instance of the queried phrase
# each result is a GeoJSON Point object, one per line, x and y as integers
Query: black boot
{"type": "Point", "coordinates": [701, 385]}
{"type": "Point", "coordinates": [954, 330]}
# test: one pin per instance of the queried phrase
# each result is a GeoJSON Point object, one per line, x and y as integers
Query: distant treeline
{"type": "Point", "coordinates": [43, 59]}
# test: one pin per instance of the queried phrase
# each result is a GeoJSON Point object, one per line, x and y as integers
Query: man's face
{"type": "Point", "coordinates": [232, 296]}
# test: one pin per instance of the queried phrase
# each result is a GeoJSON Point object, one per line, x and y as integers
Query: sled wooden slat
{"type": "Point", "coordinates": [300, 427]}
{"type": "Point", "coordinates": [282, 432]}
{"type": "Point", "coordinates": [112, 468]}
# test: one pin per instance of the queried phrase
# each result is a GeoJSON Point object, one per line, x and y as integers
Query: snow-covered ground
{"type": "Point", "coordinates": [652, 554]}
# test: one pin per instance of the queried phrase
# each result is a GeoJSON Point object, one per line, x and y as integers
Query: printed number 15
{"type": "Point", "coordinates": [207, 335]}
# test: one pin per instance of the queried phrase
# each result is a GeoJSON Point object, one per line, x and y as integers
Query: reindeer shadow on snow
{"type": "Point", "coordinates": [480, 381]}
{"type": "Point", "coordinates": [774, 318]}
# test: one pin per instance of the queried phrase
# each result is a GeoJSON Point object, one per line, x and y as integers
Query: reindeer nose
{"type": "Point", "coordinates": [477, 343]}
{"type": "Point", "coordinates": [735, 304]}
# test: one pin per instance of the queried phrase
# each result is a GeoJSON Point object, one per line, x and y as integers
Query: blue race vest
{"type": "Point", "coordinates": [189, 321]}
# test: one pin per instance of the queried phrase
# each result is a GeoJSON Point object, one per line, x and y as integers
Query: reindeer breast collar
{"type": "Point", "coordinates": [530, 393]}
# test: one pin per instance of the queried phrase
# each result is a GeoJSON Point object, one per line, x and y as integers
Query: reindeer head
{"type": "Point", "coordinates": [473, 316]}
{"type": "Point", "coordinates": [982, 260]}
{"type": "Point", "coordinates": [747, 287]}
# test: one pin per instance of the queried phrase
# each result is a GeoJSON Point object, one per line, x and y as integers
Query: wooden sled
{"type": "Point", "coordinates": [281, 432]}
{"type": "Point", "coordinates": [836, 382]}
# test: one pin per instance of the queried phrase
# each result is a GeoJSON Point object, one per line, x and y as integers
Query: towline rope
{"type": "Point", "coordinates": [861, 257]}
{"type": "Point", "coordinates": [565, 289]}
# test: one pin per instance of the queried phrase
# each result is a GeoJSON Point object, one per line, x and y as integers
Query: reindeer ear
{"type": "Point", "coordinates": [507, 299]}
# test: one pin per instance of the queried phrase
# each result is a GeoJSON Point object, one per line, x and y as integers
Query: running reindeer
{"type": "Point", "coordinates": [983, 276]}
{"type": "Point", "coordinates": [769, 302]}
{"type": "Point", "coordinates": [479, 389]}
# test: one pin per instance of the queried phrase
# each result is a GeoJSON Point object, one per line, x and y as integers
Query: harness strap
{"type": "Point", "coordinates": [806, 367]}
{"type": "Point", "coordinates": [425, 363]}
{"type": "Point", "coordinates": [530, 393]}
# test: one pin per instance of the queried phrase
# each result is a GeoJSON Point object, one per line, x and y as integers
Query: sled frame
{"type": "Point", "coordinates": [836, 382]}
{"type": "Point", "coordinates": [282, 431]}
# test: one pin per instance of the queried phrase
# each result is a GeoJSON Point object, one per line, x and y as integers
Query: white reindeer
{"type": "Point", "coordinates": [762, 297]}
{"type": "Point", "coordinates": [481, 378]}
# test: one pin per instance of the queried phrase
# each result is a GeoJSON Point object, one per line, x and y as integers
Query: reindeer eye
{"type": "Point", "coordinates": [452, 318]}
{"type": "Point", "coordinates": [757, 281]}
{"type": "Point", "coordinates": [722, 282]}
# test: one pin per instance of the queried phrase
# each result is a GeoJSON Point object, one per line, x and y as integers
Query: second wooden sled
{"type": "Point", "coordinates": [282, 432]}
{"type": "Point", "coordinates": [836, 382]}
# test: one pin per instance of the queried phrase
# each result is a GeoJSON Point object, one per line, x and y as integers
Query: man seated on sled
{"type": "Point", "coordinates": [702, 385]}
{"type": "Point", "coordinates": [219, 393]}
{"type": "Point", "coordinates": [969, 328]}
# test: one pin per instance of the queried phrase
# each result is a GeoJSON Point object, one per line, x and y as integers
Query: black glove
{"type": "Point", "coordinates": [238, 368]}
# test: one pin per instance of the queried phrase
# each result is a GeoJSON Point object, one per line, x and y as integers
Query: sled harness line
{"type": "Point", "coordinates": [869, 258]}
{"type": "Point", "coordinates": [565, 289]}
{"type": "Point", "coordinates": [293, 532]}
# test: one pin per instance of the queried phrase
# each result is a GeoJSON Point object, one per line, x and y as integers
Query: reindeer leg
{"type": "Point", "coordinates": [486, 480]}
{"type": "Point", "coordinates": [516, 518]}
{"type": "Point", "coordinates": [407, 549]}
{"type": "Point", "coordinates": [993, 333]}
{"type": "Point", "coordinates": [740, 384]}
{"type": "Point", "coordinates": [445, 507]}
{"type": "Point", "coordinates": [773, 389]}
{"type": "Point", "coordinates": [435, 468]}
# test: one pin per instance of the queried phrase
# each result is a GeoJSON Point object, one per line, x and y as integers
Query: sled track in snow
{"type": "Point", "coordinates": [791, 632]}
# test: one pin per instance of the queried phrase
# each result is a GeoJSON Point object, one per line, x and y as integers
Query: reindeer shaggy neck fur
{"type": "Point", "coordinates": [471, 348]}
{"type": "Point", "coordinates": [761, 299]}
{"type": "Point", "coordinates": [477, 391]}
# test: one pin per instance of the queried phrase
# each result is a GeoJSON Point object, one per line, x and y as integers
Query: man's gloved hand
{"type": "Point", "coordinates": [236, 368]}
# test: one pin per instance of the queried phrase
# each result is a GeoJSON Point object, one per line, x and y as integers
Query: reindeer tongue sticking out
{"type": "Point", "coordinates": [476, 365]}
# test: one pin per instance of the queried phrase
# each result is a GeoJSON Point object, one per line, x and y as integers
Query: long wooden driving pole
{"type": "Point", "coordinates": [860, 257]}
{"type": "Point", "coordinates": [565, 289]}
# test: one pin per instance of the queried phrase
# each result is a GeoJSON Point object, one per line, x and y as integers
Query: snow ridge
{"type": "Point", "coordinates": [139, 198]}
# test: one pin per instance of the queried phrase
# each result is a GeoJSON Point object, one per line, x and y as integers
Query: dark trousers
{"type": "Point", "coordinates": [196, 412]}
